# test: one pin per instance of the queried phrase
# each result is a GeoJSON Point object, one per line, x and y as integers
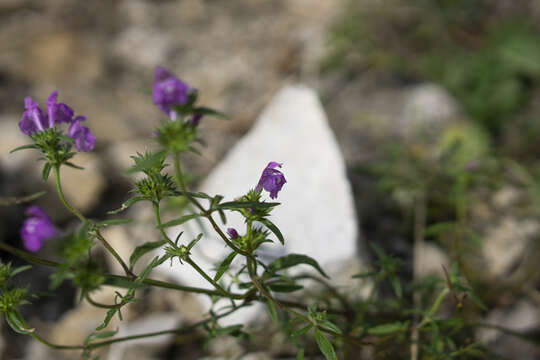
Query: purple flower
{"type": "Point", "coordinates": [271, 180]}
{"type": "Point", "coordinates": [168, 91]}
{"type": "Point", "coordinates": [232, 233]}
{"type": "Point", "coordinates": [472, 166]}
{"type": "Point", "coordinates": [36, 229]}
{"type": "Point", "coordinates": [58, 113]}
{"type": "Point", "coordinates": [84, 140]}
{"type": "Point", "coordinates": [33, 119]}
{"type": "Point", "coordinates": [196, 119]}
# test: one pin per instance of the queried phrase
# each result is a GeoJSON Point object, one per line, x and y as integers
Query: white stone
{"type": "Point", "coordinates": [316, 216]}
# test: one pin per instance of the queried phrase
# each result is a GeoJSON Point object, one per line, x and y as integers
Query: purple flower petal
{"type": "Point", "coordinates": [36, 229]}
{"type": "Point", "coordinates": [232, 233]}
{"type": "Point", "coordinates": [84, 140]}
{"type": "Point", "coordinates": [58, 113]}
{"type": "Point", "coordinates": [271, 180]}
{"type": "Point", "coordinates": [33, 119]}
{"type": "Point", "coordinates": [168, 91]}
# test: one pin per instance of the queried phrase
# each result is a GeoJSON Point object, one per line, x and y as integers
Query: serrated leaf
{"type": "Point", "coordinates": [46, 171]}
{"type": "Point", "coordinates": [29, 146]}
{"type": "Point", "coordinates": [387, 328]}
{"type": "Point", "coordinates": [234, 205]}
{"type": "Point", "coordinates": [205, 111]}
{"type": "Point", "coordinates": [127, 204]}
{"type": "Point", "coordinates": [178, 221]}
{"type": "Point", "coordinates": [273, 228]}
{"type": "Point", "coordinates": [146, 162]}
{"type": "Point", "coordinates": [293, 260]}
{"type": "Point", "coordinates": [325, 346]}
{"type": "Point", "coordinates": [143, 249]}
{"type": "Point", "coordinates": [113, 222]}
{"type": "Point", "coordinates": [224, 266]}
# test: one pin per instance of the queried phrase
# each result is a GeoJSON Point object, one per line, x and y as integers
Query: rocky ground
{"type": "Point", "coordinates": [101, 55]}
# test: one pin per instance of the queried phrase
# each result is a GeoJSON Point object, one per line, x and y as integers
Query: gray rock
{"type": "Point", "coordinates": [316, 215]}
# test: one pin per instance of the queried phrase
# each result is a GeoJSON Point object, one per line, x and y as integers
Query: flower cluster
{"type": "Point", "coordinates": [36, 229]}
{"type": "Point", "coordinates": [34, 121]}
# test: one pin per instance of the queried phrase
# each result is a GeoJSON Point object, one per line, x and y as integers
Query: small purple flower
{"type": "Point", "coordinates": [58, 113]}
{"type": "Point", "coordinates": [168, 91]}
{"type": "Point", "coordinates": [472, 166]}
{"type": "Point", "coordinates": [271, 180]}
{"type": "Point", "coordinates": [84, 140]}
{"type": "Point", "coordinates": [36, 229]}
{"type": "Point", "coordinates": [232, 233]}
{"type": "Point", "coordinates": [33, 119]}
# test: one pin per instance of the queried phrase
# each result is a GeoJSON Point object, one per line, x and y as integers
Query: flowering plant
{"type": "Point", "coordinates": [332, 321]}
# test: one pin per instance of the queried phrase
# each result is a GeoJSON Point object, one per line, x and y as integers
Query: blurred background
{"type": "Point", "coordinates": [435, 105]}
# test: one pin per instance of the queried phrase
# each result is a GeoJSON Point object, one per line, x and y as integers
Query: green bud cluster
{"type": "Point", "coordinates": [156, 185]}
{"type": "Point", "coordinates": [55, 147]}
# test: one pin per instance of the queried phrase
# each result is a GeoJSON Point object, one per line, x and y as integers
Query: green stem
{"type": "Point", "coordinates": [97, 304]}
{"type": "Point", "coordinates": [56, 171]}
{"type": "Point", "coordinates": [218, 287]}
{"type": "Point", "coordinates": [115, 255]}
{"type": "Point", "coordinates": [157, 216]}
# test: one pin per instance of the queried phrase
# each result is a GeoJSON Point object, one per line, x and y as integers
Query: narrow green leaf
{"type": "Point", "coordinates": [30, 146]}
{"type": "Point", "coordinates": [70, 164]}
{"type": "Point", "coordinates": [234, 205]}
{"type": "Point", "coordinates": [16, 324]}
{"type": "Point", "coordinates": [300, 355]}
{"type": "Point", "coordinates": [439, 228]}
{"type": "Point", "coordinates": [113, 222]}
{"type": "Point", "coordinates": [396, 285]}
{"type": "Point", "coordinates": [202, 110]}
{"type": "Point", "coordinates": [284, 287]}
{"type": "Point", "coordinates": [127, 204]}
{"type": "Point", "coordinates": [273, 228]}
{"type": "Point", "coordinates": [108, 318]}
{"type": "Point", "coordinates": [20, 269]}
{"type": "Point", "coordinates": [364, 275]}
{"type": "Point", "coordinates": [387, 328]}
{"type": "Point", "coordinates": [99, 335]}
{"type": "Point", "coordinates": [272, 311]}
{"type": "Point", "coordinates": [215, 201]}
{"type": "Point", "coordinates": [229, 329]}
{"type": "Point", "coordinates": [302, 330]}
{"type": "Point", "coordinates": [224, 266]}
{"type": "Point", "coordinates": [292, 260]}
{"type": "Point", "coordinates": [143, 249]}
{"type": "Point", "coordinates": [18, 200]}
{"type": "Point", "coordinates": [330, 326]}
{"type": "Point", "coordinates": [325, 346]}
{"type": "Point", "coordinates": [222, 216]}
{"type": "Point", "coordinates": [46, 171]}
{"type": "Point", "coordinates": [178, 221]}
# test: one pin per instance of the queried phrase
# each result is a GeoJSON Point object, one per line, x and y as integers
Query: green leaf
{"type": "Point", "coordinates": [70, 164]}
{"type": "Point", "coordinates": [388, 328]}
{"type": "Point", "coordinates": [30, 146]}
{"type": "Point", "coordinates": [300, 355]}
{"type": "Point", "coordinates": [108, 318]}
{"type": "Point", "coordinates": [229, 329]}
{"type": "Point", "coordinates": [18, 200]}
{"type": "Point", "coordinates": [113, 222]}
{"type": "Point", "coordinates": [284, 287]}
{"type": "Point", "coordinates": [202, 110]}
{"type": "Point", "coordinates": [302, 330]}
{"type": "Point", "coordinates": [396, 285]}
{"type": "Point", "coordinates": [143, 249]}
{"type": "Point", "coordinates": [222, 216]}
{"type": "Point", "coordinates": [99, 335]}
{"type": "Point", "coordinates": [330, 326]}
{"type": "Point", "coordinates": [440, 228]}
{"type": "Point", "coordinates": [224, 266]}
{"type": "Point", "coordinates": [325, 346]}
{"type": "Point", "coordinates": [46, 171]}
{"type": "Point", "coordinates": [234, 205]}
{"type": "Point", "coordinates": [127, 204]}
{"type": "Point", "coordinates": [20, 269]}
{"type": "Point", "coordinates": [178, 221]}
{"type": "Point", "coordinates": [146, 161]}
{"type": "Point", "coordinates": [293, 260]}
{"type": "Point", "coordinates": [215, 201]}
{"type": "Point", "coordinates": [273, 228]}
{"type": "Point", "coordinates": [15, 322]}
{"type": "Point", "coordinates": [272, 311]}
{"type": "Point", "coordinates": [365, 275]}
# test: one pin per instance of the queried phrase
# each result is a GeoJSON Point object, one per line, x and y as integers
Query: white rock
{"type": "Point", "coordinates": [10, 138]}
{"type": "Point", "coordinates": [316, 216]}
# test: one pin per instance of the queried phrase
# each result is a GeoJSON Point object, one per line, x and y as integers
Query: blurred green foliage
{"type": "Point", "coordinates": [487, 57]}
